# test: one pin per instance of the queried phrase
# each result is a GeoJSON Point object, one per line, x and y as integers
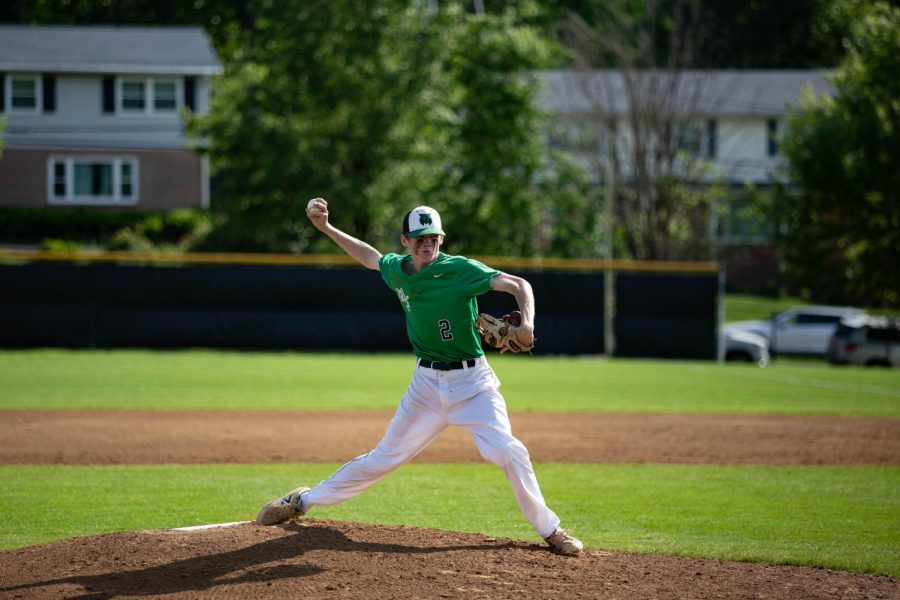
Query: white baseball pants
{"type": "Point", "coordinates": [467, 397]}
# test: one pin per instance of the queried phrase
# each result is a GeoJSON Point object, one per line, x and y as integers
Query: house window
{"type": "Point", "coordinates": [773, 137]}
{"type": "Point", "coordinates": [164, 95]}
{"type": "Point", "coordinates": [133, 96]}
{"type": "Point", "coordinates": [148, 95]}
{"type": "Point", "coordinates": [59, 180]}
{"type": "Point", "coordinates": [92, 180]}
{"type": "Point", "coordinates": [690, 138]}
{"type": "Point", "coordinates": [23, 93]}
{"type": "Point", "coordinates": [126, 186]}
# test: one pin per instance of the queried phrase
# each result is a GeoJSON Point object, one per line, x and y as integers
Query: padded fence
{"type": "Point", "coordinates": [666, 316]}
{"type": "Point", "coordinates": [273, 307]}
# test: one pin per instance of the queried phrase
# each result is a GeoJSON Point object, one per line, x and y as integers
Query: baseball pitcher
{"type": "Point", "coordinates": [452, 383]}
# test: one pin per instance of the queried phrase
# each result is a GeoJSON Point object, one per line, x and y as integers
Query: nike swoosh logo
{"type": "Point", "coordinates": [439, 275]}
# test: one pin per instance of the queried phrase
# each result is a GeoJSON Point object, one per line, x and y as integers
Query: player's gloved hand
{"type": "Point", "coordinates": [506, 333]}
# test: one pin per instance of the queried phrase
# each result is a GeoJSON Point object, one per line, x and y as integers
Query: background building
{"type": "Point", "coordinates": [94, 116]}
{"type": "Point", "coordinates": [702, 127]}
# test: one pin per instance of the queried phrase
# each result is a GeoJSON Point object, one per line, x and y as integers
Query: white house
{"type": "Point", "coordinates": [93, 116]}
{"type": "Point", "coordinates": [728, 119]}
{"type": "Point", "coordinates": [723, 126]}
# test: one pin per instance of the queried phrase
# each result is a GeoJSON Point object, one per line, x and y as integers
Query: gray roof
{"type": "Point", "coordinates": [709, 93]}
{"type": "Point", "coordinates": [96, 49]}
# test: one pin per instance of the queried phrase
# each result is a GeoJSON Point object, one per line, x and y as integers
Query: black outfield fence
{"type": "Point", "coordinates": [119, 300]}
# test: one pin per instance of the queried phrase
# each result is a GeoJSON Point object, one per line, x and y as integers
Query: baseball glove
{"type": "Point", "coordinates": [502, 333]}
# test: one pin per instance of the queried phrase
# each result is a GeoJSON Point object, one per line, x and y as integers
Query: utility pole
{"type": "Point", "coordinates": [720, 290]}
{"type": "Point", "coordinates": [609, 282]}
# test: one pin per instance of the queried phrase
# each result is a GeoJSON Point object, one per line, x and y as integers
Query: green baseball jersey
{"type": "Point", "coordinates": [440, 305]}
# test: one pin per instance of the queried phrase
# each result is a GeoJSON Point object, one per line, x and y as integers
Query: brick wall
{"type": "Point", "coordinates": [168, 179]}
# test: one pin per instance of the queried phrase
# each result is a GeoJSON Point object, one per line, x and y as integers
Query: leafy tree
{"type": "Point", "coordinates": [381, 106]}
{"type": "Point", "coordinates": [378, 105]}
{"type": "Point", "coordinates": [774, 34]}
{"type": "Point", "coordinates": [841, 231]}
{"type": "Point", "coordinates": [735, 34]}
{"type": "Point", "coordinates": [491, 171]}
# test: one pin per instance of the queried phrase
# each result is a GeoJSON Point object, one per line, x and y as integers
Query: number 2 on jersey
{"type": "Point", "coordinates": [445, 329]}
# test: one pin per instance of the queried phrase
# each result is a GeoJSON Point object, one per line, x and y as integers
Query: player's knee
{"type": "Point", "coordinates": [388, 458]}
{"type": "Point", "coordinates": [502, 455]}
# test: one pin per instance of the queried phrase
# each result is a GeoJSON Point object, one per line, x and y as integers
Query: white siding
{"type": "Point", "coordinates": [741, 103]}
{"type": "Point", "coordinates": [79, 120]}
{"type": "Point", "coordinates": [743, 151]}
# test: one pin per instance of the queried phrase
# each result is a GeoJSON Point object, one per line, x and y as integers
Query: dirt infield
{"type": "Point", "coordinates": [327, 559]}
{"type": "Point", "coordinates": [144, 437]}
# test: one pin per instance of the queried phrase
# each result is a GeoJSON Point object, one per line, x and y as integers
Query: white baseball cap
{"type": "Point", "coordinates": [422, 220]}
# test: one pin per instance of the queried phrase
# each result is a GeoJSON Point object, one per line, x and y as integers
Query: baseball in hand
{"type": "Point", "coordinates": [314, 211]}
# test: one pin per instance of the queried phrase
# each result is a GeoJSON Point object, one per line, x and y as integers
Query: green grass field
{"type": "Point", "coordinates": [840, 517]}
{"type": "Point", "coordinates": [741, 307]}
{"type": "Point", "coordinates": [836, 517]}
{"type": "Point", "coordinates": [58, 379]}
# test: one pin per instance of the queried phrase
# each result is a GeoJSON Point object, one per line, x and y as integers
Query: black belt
{"type": "Point", "coordinates": [446, 366]}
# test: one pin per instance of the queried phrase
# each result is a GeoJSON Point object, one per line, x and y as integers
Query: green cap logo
{"type": "Point", "coordinates": [422, 220]}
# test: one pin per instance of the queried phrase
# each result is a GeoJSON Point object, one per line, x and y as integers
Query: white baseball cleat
{"type": "Point", "coordinates": [283, 509]}
{"type": "Point", "coordinates": [563, 542]}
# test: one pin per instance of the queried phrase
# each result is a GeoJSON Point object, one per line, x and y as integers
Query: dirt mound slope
{"type": "Point", "coordinates": [322, 559]}
{"type": "Point", "coordinates": [186, 437]}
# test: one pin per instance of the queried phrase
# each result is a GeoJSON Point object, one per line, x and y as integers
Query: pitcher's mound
{"type": "Point", "coordinates": [331, 559]}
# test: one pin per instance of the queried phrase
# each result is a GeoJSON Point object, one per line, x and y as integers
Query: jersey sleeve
{"type": "Point", "coordinates": [475, 277]}
{"type": "Point", "coordinates": [388, 265]}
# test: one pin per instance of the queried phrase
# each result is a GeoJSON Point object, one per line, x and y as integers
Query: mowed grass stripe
{"type": "Point", "coordinates": [204, 380]}
{"type": "Point", "coordinates": [836, 517]}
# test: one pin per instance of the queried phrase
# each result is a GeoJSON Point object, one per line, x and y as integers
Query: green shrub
{"type": "Point", "coordinates": [66, 229]}
{"type": "Point", "coordinates": [177, 230]}
{"type": "Point", "coordinates": [32, 225]}
{"type": "Point", "coordinates": [57, 245]}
